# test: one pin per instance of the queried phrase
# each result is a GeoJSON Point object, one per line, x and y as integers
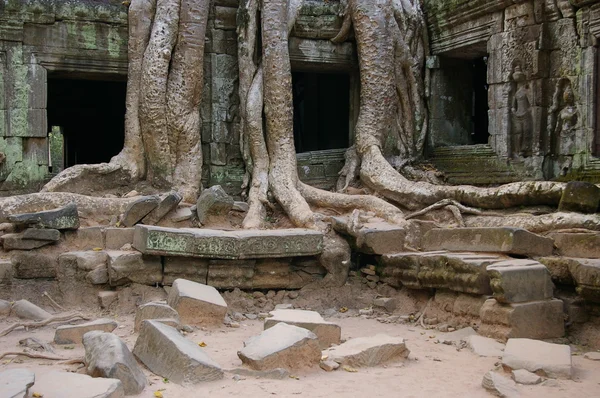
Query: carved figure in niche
{"type": "Point", "coordinates": [521, 120]}
{"type": "Point", "coordinates": [563, 118]}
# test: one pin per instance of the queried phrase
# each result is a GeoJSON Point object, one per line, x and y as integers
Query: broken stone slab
{"type": "Point", "coordinates": [535, 320]}
{"type": "Point", "coordinates": [182, 214]}
{"type": "Point", "coordinates": [328, 365]}
{"type": "Point", "coordinates": [484, 346]}
{"type": "Point", "coordinates": [368, 351]}
{"type": "Point", "coordinates": [213, 201]}
{"type": "Point", "coordinates": [328, 333]}
{"type": "Point", "coordinates": [15, 383]}
{"type": "Point", "coordinates": [139, 209]}
{"type": "Point", "coordinates": [132, 267]}
{"type": "Point", "coordinates": [197, 303]}
{"type": "Point", "coordinates": [458, 335]}
{"type": "Point", "coordinates": [525, 377]}
{"type": "Point", "coordinates": [26, 310]}
{"type": "Point", "coordinates": [52, 235]}
{"type": "Point", "coordinates": [281, 346]}
{"type": "Point", "coordinates": [547, 359]}
{"type": "Point", "coordinates": [167, 203]}
{"type": "Point", "coordinates": [373, 237]}
{"type": "Point", "coordinates": [170, 355]}
{"type": "Point", "coordinates": [582, 245]}
{"type": "Point", "coordinates": [388, 303]}
{"type": "Point", "coordinates": [492, 240]}
{"type": "Point", "coordinates": [154, 310]}
{"type": "Point", "coordinates": [73, 334]}
{"type": "Point", "coordinates": [243, 244]}
{"type": "Point", "coordinates": [586, 275]}
{"type": "Point", "coordinates": [580, 197]}
{"type": "Point", "coordinates": [520, 280]}
{"type": "Point", "coordinates": [592, 356]}
{"type": "Point", "coordinates": [106, 355]}
{"type": "Point", "coordinates": [62, 218]}
{"type": "Point", "coordinates": [18, 242]}
{"type": "Point", "coordinates": [57, 384]}
{"type": "Point", "coordinates": [500, 385]}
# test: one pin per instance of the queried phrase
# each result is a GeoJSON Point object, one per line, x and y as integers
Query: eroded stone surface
{"type": "Point", "coordinates": [586, 275]}
{"type": "Point", "coordinates": [582, 245]}
{"type": "Point", "coordinates": [196, 242]}
{"type": "Point", "coordinates": [580, 196]}
{"type": "Point", "coordinates": [328, 333]}
{"type": "Point", "coordinates": [131, 266]}
{"type": "Point", "coordinates": [368, 351]}
{"type": "Point", "coordinates": [52, 235]}
{"type": "Point", "coordinates": [525, 377]}
{"type": "Point", "coordinates": [484, 346]}
{"type": "Point", "coordinates": [138, 209]}
{"type": "Point", "coordinates": [167, 203]}
{"type": "Point", "coordinates": [170, 355]}
{"type": "Point", "coordinates": [15, 383]}
{"type": "Point", "coordinates": [281, 346]}
{"type": "Point", "coordinates": [517, 281]}
{"type": "Point", "coordinates": [213, 201]}
{"type": "Point", "coordinates": [154, 310]}
{"type": "Point", "coordinates": [26, 310]}
{"type": "Point", "coordinates": [374, 237]}
{"type": "Point", "coordinates": [499, 385]}
{"type": "Point", "coordinates": [57, 384]}
{"type": "Point", "coordinates": [18, 242]}
{"type": "Point", "coordinates": [552, 360]}
{"type": "Point", "coordinates": [62, 218]}
{"type": "Point", "coordinates": [197, 303]}
{"type": "Point", "coordinates": [73, 334]}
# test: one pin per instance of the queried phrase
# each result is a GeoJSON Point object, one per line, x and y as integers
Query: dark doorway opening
{"type": "Point", "coordinates": [321, 111]}
{"type": "Point", "coordinates": [480, 132]}
{"type": "Point", "coordinates": [91, 114]}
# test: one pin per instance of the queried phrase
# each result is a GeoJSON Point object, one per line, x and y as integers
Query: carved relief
{"type": "Point", "coordinates": [520, 109]}
{"type": "Point", "coordinates": [562, 118]}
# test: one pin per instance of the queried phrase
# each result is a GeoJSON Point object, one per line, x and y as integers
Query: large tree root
{"type": "Point", "coordinates": [39, 324]}
{"type": "Point", "coordinates": [31, 355]}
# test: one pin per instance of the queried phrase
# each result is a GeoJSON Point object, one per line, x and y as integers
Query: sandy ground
{"type": "Point", "coordinates": [432, 369]}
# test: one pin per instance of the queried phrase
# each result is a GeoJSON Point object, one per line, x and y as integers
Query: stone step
{"type": "Point", "coordinates": [373, 237]}
{"type": "Point", "coordinates": [460, 272]}
{"type": "Point", "coordinates": [518, 281]}
{"type": "Point", "coordinates": [583, 273]}
{"type": "Point", "coordinates": [583, 245]}
{"type": "Point", "coordinates": [242, 244]}
{"type": "Point", "coordinates": [492, 240]}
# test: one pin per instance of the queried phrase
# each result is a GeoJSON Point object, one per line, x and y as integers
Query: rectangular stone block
{"type": "Point", "coordinates": [272, 274]}
{"type": "Point", "coordinates": [193, 269]}
{"type": "Point", "coordinates": [582, 245]}
{"type": "Point", "coordinates": [518, 281]}
{"type": "Point", "coordinates": [195, 242]}
{"type": "Point", "coordinates": [6, 272]}
{"type": "Point", "coordinates": [586, 274]}
{"type": "Point", "coordinates": [18, 242]}
{"type": "Point", "coordinates": [225, 18]}
{"type": "Point", "coordinates": [229, 274]}
{"type": "Point", "coordinates": [73, 334]}
{"type": "Point", "coordinates": [328, 333]}
{"type": "Point", "coordinates": [116, 238]}
{"type": "Point", "coordinates": [86, 238]}
{"type": "Point", "coordinates": [130, 266]}
{"type": "Point", "coordinates": [197, 303]}
{"type": "Point", "coordinates": [493, 240]}
{"type": "Point", "coordinates": [33, 265]}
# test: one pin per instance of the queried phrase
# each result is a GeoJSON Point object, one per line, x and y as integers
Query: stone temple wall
{"type": "Point", "coordinates": [542, 78]}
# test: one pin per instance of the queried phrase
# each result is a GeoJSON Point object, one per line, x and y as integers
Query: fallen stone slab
{"type": "Point", "coordinates": [62, 218]}
{"type": "Point", "coordinates": [18, 242]}
{"type": "Point", "coordinates": [525, 377]}
{"type": "Point", "coordinates": [328, 365]}
{"type": "Point", "coordinates": [492, 240]}
{"type": "Point", "coordinates": [197, 303]}
{"type": "Point", "coordinates": [213, 201]}
{"type": "Point", "coordinates": [281, 346]}
{"type": "Point", "coordinates": [328, 333]}
{"type": "Point", "coordinates": [484, 346]}
{"type": "Point", "coordinates": [182, 214]}
{"type": "Point", "coordinates": [170, 355]}
{"type": "Point", "coordinates": [73, 334]}
{"type": "Point", "coordinates": [500, 385]}
{"type": "Point", "coordinates": [243, 244]}
{"type": "Point", "coordinates": [580, 197]}
{"type": "Point", "coordinates": [52, 235]}
{"type": "Point", "coordinates": [520, 280]}
{"type": "Point", "coordinates": [167, 203]}
{"type": "Point", "coordinates": [15, 383]}
{"type": "Point", "coordinates": [154, 310]}
{"type": "Point", "coordinates": [57, 384]}
{"type": "Point", "coordinates": [106, 355]}
{"type": "Point", "coordinates": [592, 356]}
{"type": "Point", "coordinates": [27, 310]}
{"type": "Point", "coordinates": [139, 209]}
{"type": "Point", "coordinates": [586, 275]}
{"type": "Point", "coordinates": [582, 245]}
{"type": "Point", "coordinates": [132, 267]}
{"type": "Point", "coordinates": [368, 351]}
{"type": "Point", "coordinates": [547, 359]}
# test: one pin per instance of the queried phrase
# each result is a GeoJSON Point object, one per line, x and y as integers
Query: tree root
{"type": "Point", "coordinates": [37, 324]}
{"type": "Point", "coordinates": [52, 302]}
{"type": "Point", "coordinates": [31, 355]}
{"type": "Point", "coordinates": [456, 208]}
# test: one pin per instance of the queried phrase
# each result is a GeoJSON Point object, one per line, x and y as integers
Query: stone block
{"type": "Point", "coordinates": [368, 351]}
{"type": "Point", "coordinates": [83, 260]}
{"type": "Point", "coordinates": [213, 201]}
{"type": "Point", "coordinates": [484, 346]}
{"type": "Point", "coordinates": [167, 203]}
{"type": "Point", "coordinates": [231, 274]}
{"type": "Point", "coordinates": [107, 298]}
{"type": "Point", "coordinates": [225, 18]}
{"type": "Point", "coordinates": [517, 281]}
{"type": "Point", "coordinates": [139, 209]}
{"type": "Point", "coordinates": [328, 333]}
{"type": "Point", "coordinates": [500, 385]}
{"type": "Point", "coordinates": [374, 238]}
{"type": "Point", "coordinates": [6, 272]}
{"type": "Point", "coordinates": [153, 310]}
{"type": "Point", "coordinates": [57, 384]}
{"type": "Point", "coordinates": [73, 334]}
{"type": "Point", "coordinates": [282, 346]}
{"type": "Point", "coordinates": [62, 218]}
{"type": "Point", "coordinates": [15, 383]}
{"type": "Point", "coordinates": [494, 240]}
{"type": "Point", "coordinates": [558, 268]}
{"type": "Point", "coordinates": [33, 265]}
{"type": "Point", "coordinates": [193, 269]}
{"type": "Point", "coordinates": [26, 310]}
{"type": "Point", "coordinates": [182, 214]}
{"type": "Point", "coordinates": [586, 274]}
{"type": "Point", "coordinates": [86, 238]}
{"type": "Point", "coordinates": [18, 242]}
{"type": "Point", "coordinates": [98, 276]}
{"type": "Point", "coordinates": [550, 360]}
{"type": "Point", "coordinates": [116, 238]}
{"type": "Point", "coordinates": [52, 235]}
{"type": "Point", "coordinates": [581, 197]}
{"type": "Point", "coordinates": [242, 244]}
{"type": "Point", "coordinates": [170, 355]}
{"type": "Point", "coordinates": [106, 355]}
{"type": "Point", "coordinates": [580, 245]}
{"type": "Point", "coordinates": [197, 303]}
{"type": "Point", "coordinates": [525, 377]}
{"type": "Point", "coordinates": [133, 267]}
{"type": "Point", "coordinates": [535, 320]}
